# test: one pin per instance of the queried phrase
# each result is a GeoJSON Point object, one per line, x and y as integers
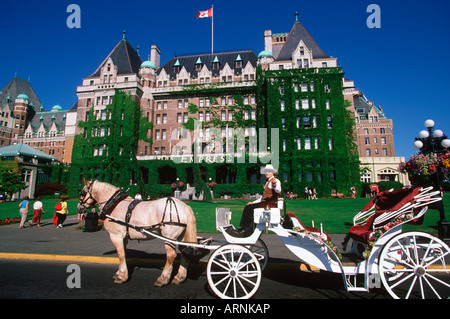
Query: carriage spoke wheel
{"type": "Point", "coordinates": [260, 250]}
{"type": "Point", "coordinates": [415, 265]}
{"type": "Point", "coordinates": [233, 271]}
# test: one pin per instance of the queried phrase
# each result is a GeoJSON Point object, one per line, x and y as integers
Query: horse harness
{"type": "Point", "coordinates": [120, 195]}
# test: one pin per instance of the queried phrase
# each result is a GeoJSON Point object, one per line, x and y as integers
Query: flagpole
{"type": "Point", "coordinates": [212, 30]}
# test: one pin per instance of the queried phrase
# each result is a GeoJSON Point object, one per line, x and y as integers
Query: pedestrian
{"type": "Point", "coordinates": [353, 190]}
{"type": "Point", "coordinates": [314, 193]}
{"type": "Point", "coordinates": [62, 213]}
{"type": "Point", "coordinates": [38, 209]}
{"type": "Point", "coordinates": [306, 192]}
{"type": "Point", "coordinates": [23, 210]}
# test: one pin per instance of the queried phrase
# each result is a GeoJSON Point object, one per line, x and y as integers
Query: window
{"type": "Point", "coordinates": [367, 151]}
{"type": "Point", "coordinates": [304, 87]}
{"type": "Point", "coordinates": [307, 143]}
{"type": "Point", "coordinates": [367, 141]}
{"type": "Point", "coordinates": [383, 140]}
{"type": "Point", "coordinates": [305, 104]}
{"type": "Point", "coordinates": [314, 122]}
{"type": "Point", "coordinates": [327, 104]}
{"type": "Point", "coordinates": [283, 106]}
{"type": "Point", "coordinates": [329, 120]}
{"type": "Point", "coordinates": [330, 143]}
{"type": "Point", "coordinates": [306, 122]}
{"type": "Point", "coordinates": [385, 152]}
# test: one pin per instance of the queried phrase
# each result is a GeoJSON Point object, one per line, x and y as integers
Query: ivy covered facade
{"type": "Point", "coordinates": [200, 118]}
{"type": "Point", "coordinates": [317, 148]}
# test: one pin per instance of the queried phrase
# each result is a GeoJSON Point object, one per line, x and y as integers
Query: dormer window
{"type": "Point", "coordinates": [238, 62]}
{"type": "Point", "coordinates": [177, 67]}
{"type": "Point", "coordinates": [216, 64]}
{"type": "Point", "coordinates": [198, 65]}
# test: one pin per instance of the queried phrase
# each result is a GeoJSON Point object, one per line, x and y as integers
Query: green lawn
{"type": "Point", "coordinates": [334, 214]}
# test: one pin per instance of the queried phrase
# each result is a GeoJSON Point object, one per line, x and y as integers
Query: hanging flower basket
{"type": "Point", "coordinates": [422, 167]}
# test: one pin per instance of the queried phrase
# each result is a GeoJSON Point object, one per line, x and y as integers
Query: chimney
{"type": "Point", "coordinates": [155, 55]}
{"type": "Point", "coordinates": [268, 40]}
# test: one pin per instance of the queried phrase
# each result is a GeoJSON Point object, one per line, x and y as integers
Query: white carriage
{"type": "Point", "coordinates": [408, 264]}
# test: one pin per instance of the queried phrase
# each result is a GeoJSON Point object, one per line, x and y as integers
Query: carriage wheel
{"type": "Point", "coordinates": [415, 265]}
{"type": "Point", "coordinates": [260, 250]}
{"type": "Point", "coordinates": [233, 271]}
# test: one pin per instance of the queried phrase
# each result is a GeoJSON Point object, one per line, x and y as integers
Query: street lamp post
{"type": "Point", "coordinates": [435, 141]}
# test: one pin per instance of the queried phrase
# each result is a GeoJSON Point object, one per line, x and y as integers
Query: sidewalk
{"type": "Point", "coordinates": [73, 245]}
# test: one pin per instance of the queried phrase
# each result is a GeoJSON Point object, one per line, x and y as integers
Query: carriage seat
{"type": "Point", "coordinates": [297, 223]}
{"type": "Point", "coordinates": [388, 202]}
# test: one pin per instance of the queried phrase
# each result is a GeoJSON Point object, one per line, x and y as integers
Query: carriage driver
{"type": "Point", "coordinates": [272, 191]}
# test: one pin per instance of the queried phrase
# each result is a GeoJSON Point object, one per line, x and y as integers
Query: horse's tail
{"type": "Point", "coordinates": [190, 235]}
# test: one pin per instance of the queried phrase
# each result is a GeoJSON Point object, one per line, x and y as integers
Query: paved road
{"type": "Point", "coordinates": [34, 264]}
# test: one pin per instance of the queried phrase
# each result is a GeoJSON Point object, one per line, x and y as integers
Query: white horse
{"type": "Point", "coordinates": [178, 224]}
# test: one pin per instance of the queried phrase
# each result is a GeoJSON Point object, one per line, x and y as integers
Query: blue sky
{"type": "Point", "coordinates": [402, 66]}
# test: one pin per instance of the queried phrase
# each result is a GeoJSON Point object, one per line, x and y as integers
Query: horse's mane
{"type": "Point", "coordinates": [104, 187]}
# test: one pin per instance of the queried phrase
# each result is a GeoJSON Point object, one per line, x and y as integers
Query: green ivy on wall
{"type": "Point", "coordinates": [106, 149]}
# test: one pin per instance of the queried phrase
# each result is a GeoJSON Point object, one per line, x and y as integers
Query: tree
{"type": "Point", "coordinates": [11, 180]}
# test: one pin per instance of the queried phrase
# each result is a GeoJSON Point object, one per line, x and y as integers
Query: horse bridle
{"type": "Point", "coordinates": [109, 204]}
{"type": "Point", "coordinates": [83, 198]}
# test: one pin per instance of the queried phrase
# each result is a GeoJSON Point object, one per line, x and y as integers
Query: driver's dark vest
{"type": "Point", "coordinates": [269, 194]}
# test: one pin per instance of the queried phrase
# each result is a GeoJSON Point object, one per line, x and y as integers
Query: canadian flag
{"type": "Point", "coordinates": [205, 14]}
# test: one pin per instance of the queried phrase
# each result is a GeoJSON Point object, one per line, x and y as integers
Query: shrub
{"type": "Point", "coordinates": [50, 188]}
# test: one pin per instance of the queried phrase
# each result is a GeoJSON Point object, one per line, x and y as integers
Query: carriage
{"type": "Point", "coordinates": [407, 264]}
